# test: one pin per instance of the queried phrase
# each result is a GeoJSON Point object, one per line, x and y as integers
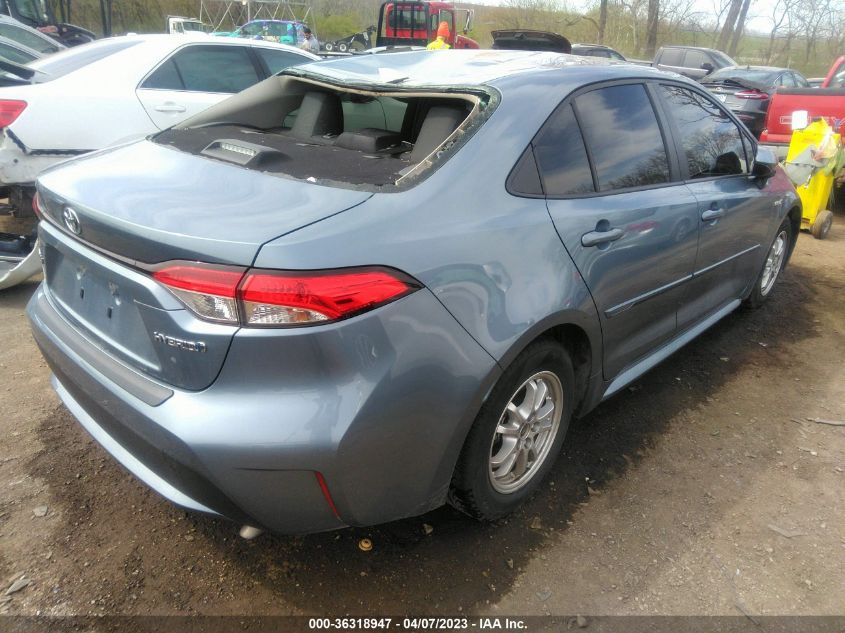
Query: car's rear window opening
{"type": "Point", "coordinates": [311, 131]}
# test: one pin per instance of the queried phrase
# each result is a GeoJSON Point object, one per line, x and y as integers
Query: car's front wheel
{"type": "Point", "coordinates": [773, 265]}
{"type": "Point", "coordinates": [517, 434]}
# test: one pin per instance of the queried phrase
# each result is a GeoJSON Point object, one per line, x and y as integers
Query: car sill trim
{"type": "Point", "coordinates": [661, 354]}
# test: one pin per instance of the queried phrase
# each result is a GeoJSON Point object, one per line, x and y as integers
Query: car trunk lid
{"type": "Point", "coordinates": [150, 203]}
{"type": "Point", "coordinates": [106, 229]}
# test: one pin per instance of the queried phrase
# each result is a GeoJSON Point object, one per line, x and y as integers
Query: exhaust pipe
{"type": "Point", "coordinates": [248, 532]}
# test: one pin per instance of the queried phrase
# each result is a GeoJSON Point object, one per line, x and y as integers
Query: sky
{"type": "Point", "coordinates": [757, 15]}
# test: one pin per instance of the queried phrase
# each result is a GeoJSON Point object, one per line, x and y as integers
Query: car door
{"type": "Point", "coordinates": [616, 200]}
{"type": "Point", "coordinates": [735, 215]}
{"type": "Point", "coordinates": [695, 64]}
{"type": "Point", "coordinates": [195, 77]}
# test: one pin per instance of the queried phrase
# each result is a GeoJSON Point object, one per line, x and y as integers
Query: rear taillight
{"type": "Point", "coordinates": [751, 94]}
{"type": "Point", "coordinates": [268, 298]}
{"type": "Point", "coordinates": [209, 291]}
{"type": "Point", "coordinates": [10, 110]}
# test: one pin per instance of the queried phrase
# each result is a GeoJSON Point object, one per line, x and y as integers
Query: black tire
{"type": "Point", "coordinates": [328, 47]}
{"type": "Point", "coordinates": [763, 287]}
{"type": "Point", "coordinates": [821, 227]}
{"type": "Point", "coordinates": [343, 47]}
{"type": "Point", "coordinates": [472, 489]}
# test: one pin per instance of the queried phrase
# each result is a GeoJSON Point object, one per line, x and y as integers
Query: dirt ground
{"type": "Point", "coordinates": [705, 488]}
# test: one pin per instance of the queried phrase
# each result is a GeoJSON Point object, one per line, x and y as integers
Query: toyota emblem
{"type": "Point", "coordinates": [71, 221]}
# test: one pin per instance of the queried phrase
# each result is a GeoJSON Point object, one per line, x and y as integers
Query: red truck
{"type": "Point", "coordinates": [415, 24]}
{"type": "Point", "coordinates": [828, 101]}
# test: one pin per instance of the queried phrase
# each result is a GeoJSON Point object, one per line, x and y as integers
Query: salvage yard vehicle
{"type": "Point", "coordinates": [747, 90]}
{"type": "Point", "coordinates": [32, 38]}
{"type": "Point", "coordinates": [694, 62]}
{"type": "Point", "coordinates": [827, 101]}
{"type": "Point", "coordinates": [283, 31]}
{"type": "Point", "coordinates": [39, 14]}
{"type": "Point", "coordinates": [597, 50]}
{"type": "Point", "coordinates": [114, 90]}
{"type": "Point", "coordinates": [407, 23]}
{"type": "Point", "coordinates": [290, 311]}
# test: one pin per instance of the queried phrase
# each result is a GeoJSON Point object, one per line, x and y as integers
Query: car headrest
{"type": "Point", "coordinates": [439, 123]}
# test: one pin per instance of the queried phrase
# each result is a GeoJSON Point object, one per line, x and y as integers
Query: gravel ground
{"type": "Point", "coordinates": [705, 488]}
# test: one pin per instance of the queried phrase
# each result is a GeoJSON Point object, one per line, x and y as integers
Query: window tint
{"type": "Point", "coordinates": [277, 61]}
{"type": "Point", "coordinates": [800, 81]}
{"type": "Point", "coordinates": [672, 56]}
{"type": "Point", "coordinates": [215, 68]}
{"type": "Point", "coordinates": [625, 142]}
{"type": "Point", "coordinates": [786, 80]}
{"type": "Point", "coordinates": [694, 59]}
{"type": "Point", "coordinates": [711, 141]}
{"type": "Point", "coordinates": [615, 55]}
{"type": "Point", "coordinates": [22, 36]}
{"type": "Point", "coordinates": [561, 157]}
{"type": "Point", "coordinates": [166, 77]}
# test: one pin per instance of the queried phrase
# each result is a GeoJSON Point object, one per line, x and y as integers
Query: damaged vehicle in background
{"type": "Point", "coordinates": [108, 92]}
{"type": "Point", "coordinates": [368, 286]}
{"type": "Point", "coordinates": [748, 90]}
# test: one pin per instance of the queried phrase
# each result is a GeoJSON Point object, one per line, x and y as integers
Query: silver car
{"type": "Point", "coordinates": [366, 287]}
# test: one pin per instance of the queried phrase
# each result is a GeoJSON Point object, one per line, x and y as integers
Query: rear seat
{"type": "Point", "coordinates": [320, 116]}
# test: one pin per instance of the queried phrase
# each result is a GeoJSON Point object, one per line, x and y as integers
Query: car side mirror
{"type": "Point", "coordinates": [708, 67]}
{"type": "Point", "coordinates": [765, 164]}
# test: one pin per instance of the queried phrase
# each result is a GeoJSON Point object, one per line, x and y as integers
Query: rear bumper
{"type": "Point", "coordinates": [20, 167]}
{"type": "Point", "coordinates": [379, 404]}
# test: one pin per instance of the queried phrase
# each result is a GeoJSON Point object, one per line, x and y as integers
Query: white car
{"type": "Point", "coordinates": [116, 90]}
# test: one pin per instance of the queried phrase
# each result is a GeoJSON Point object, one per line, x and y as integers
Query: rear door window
{"type": "Point", "coordinates": [712, 142]}
{"type": "Point", "coordinates": [277, 60]}
{"type": "Point", "coordinates": [672, 57]}
{"type": "Point", "coordinates": [206, 68]}
{"type": "Point", "coordinates": [694, 59]}
{"type": "Point", "coordinates": [561, 156]}
{"type": "Point", "coordinates": [624, 139]}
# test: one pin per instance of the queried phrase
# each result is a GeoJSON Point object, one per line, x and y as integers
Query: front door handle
{"type": "Point", "coordinates": [170, 107]}
{"type": "Point", "coordinates": [594, 238]}
{"type": "Point", "coordinates": [712, 214]}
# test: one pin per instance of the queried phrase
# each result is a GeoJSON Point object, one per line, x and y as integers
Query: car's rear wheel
{"type": "Point", "coordinates": [773, 265]}
{"type": "Point", "coordinates": [517, 434]}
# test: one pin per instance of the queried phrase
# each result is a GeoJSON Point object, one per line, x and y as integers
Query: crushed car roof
{"type": "Point", "coordinates": [446, 68]}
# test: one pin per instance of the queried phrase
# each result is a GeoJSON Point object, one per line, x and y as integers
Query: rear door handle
{"type": "Point", "coordinates": [594, 238]}
{"type": "Point", "coordinates": [170, 107]}
{"type": "Point", "coordinates": [712, 214]}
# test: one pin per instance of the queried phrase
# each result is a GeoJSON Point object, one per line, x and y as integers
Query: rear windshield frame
{"type": "Point", "coordinates": [484, 100]}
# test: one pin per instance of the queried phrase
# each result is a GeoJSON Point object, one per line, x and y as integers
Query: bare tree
{"type": "Point", "coordinates": [651, 27]}
{"type": "Point", "coordinates": [728, 26]}
{"type": "Point", "coordinates": [602, 20]}
{"type": "Point", "coordinates": [739, 28]}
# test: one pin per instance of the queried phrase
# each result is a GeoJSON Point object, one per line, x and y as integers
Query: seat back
{"type": "Point", "coordinates": [320, 114]}
{"type": "Point", "coordinates": [439, 123]}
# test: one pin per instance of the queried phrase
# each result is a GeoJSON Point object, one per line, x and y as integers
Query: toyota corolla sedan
{"type": "Point", "coordinates": [364, 288]}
